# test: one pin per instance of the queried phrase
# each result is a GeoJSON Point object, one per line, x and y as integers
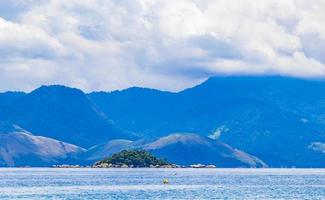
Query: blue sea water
{"type": "Point", "coordinates": [48, 183]}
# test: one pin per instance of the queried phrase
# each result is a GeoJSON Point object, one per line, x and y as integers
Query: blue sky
{"type": "Point", "coordinates": [170, 45]}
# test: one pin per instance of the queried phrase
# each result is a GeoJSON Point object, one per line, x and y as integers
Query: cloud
{"type": "Point", "coordinates": [27, 41]}
{"type": "Point", "coordinates": [108, 44]}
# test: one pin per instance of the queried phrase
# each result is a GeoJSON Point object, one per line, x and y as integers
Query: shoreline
{"type": "Point", "coordinates": [237, 168]}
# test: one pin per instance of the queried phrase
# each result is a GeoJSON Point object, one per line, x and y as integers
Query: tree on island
{"type": "Point", "coordinates": [133, 158]}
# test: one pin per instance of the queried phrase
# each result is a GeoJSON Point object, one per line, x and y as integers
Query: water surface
{"type": "Point", "coordinates": [48, 183]}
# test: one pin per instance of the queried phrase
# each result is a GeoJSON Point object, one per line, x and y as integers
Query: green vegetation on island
{"type": "Point", "coordinates": [133, 159]}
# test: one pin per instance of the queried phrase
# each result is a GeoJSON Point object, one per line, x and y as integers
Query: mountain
{"type": "Point", "coordinates": [278, 119]}
{"type": "Point", "coordinates": [186, 149]}
{"type": "Point", "coordinates": [104, 150]}
{"type": "Point", "coordinates": [7, 100]}
{"type": "Point", "coordinates": [63, 113]}
{"type": "Point", "coordinates": [136, 109]}
{"type": "Point", "coordinates": [19, 147]}
{"type": "Point", "coordinates": [182, 149]}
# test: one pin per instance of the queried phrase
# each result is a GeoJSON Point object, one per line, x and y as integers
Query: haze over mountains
{"type": "Point", "coordinates": [278, 121]}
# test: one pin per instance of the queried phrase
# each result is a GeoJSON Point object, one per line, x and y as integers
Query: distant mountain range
{"type": "Point", "coordinates": [19, 147]}
{"type": "Point", "coordinates": [278, 120]}
{"type": "Point", "coordinates": [183, 149]}
{"type": "Point", "coordinates": [62, 113]}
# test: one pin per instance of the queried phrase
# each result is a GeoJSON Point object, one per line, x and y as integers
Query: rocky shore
{"type": "Point", "coordinates": [106, 165]}
{"type": "Point", "coordinates": [135, 159]}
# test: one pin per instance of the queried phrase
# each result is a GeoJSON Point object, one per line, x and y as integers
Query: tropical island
{"type": "Point", "coordinates": [134, 159]}
{"type": "Point", "coordinates": [140, 159]}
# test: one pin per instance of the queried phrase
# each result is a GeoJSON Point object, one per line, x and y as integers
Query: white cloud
{"type": "Point", "coordinates": [108, 44]}
{"type": "Point", "coordinates": [26, 41]}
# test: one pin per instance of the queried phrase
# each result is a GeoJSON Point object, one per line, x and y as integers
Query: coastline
{"type": "Point", "coordinates": [186, 167]}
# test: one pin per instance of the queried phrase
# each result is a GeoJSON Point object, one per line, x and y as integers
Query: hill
{"type": "Point", "coordinates": [63, 113]}
{"type": "Point", "coordinates": [19, 147]}
{"type": "Point", "coordinates": [277, 119]}
{"type": "Point", "coordinates": [182, 149]}
{"type": "Point", "coordinates": [135, 109]}
{"type": "Point", "coordinates": [134, 159]}
{"type": "Point", "coordinates": [246, 112]}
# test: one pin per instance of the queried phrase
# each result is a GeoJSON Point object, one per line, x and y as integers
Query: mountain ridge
{"type": "Point", "coordinates": [63, 113]}
{"type": "Point", "coordinates": [19, 147]}
{"type": "Point", "coordinates": [246, 112]}
{"type": "Point", "coordinates": [181, 149]}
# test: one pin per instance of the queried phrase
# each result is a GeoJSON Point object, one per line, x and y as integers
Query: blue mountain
{"type": "Point", "coordinates": [7, 101]}
{"type": "Point", "coordinates": [19, 147]}
{"type": "Point", "coordinates": [182, 149]}
{"type": "Point", "coordinates": [62, 113]}
{"type": "Point", "coordinates": [280, 120]}
{"type": "Point", "coordinates": [277, 119]}
{"type": "Point", "coordinates": [141, 110]}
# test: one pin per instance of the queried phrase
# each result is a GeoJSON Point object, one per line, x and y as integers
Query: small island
{"type": "Point", "coordinates": [134, 159]}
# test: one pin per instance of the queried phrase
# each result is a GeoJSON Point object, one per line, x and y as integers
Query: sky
{"type": "Point", "coordinates": [168, 45]}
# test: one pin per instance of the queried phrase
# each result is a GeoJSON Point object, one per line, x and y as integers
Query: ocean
{"type": "Point", "coordinates": [84, 183]}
